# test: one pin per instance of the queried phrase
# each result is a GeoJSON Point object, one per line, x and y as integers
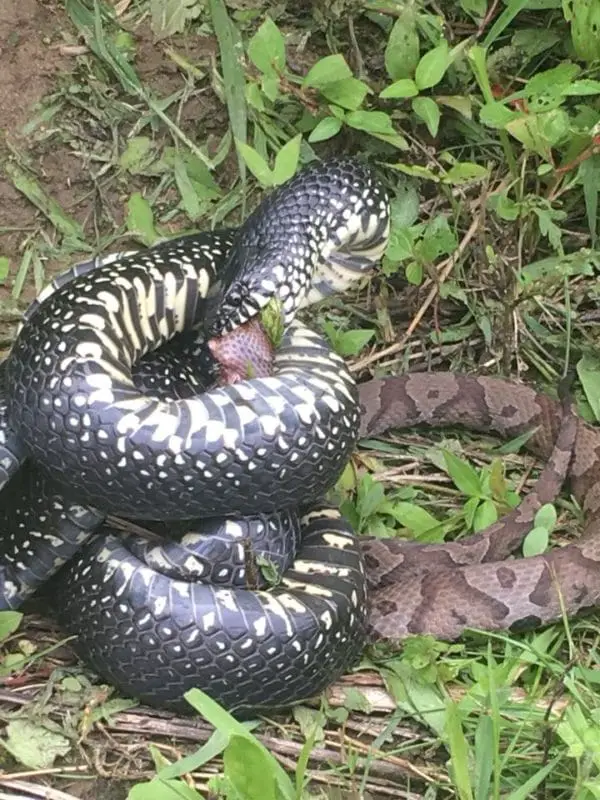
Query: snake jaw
{"type": "Point", "coordinates": [329, 225]}
{"type": "Point", "coordinates": [244, 300]}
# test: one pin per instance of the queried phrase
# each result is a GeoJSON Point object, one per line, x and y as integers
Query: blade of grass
{"type": "Point", "coordinates": [49, 207]}
{"type": "Point", "coordinates": [525, 791]}
{"type": "Point", "coordinates": [22, 273]}
{"type": "Point", "coordinates": [504, 20]}
{"type": "Point", "coordinates": [459, 751]}
{"type": "Point", "coordinates": [231, 49]}
{"type": "Point", "coordinates": [477, 58]}
{"type": "Point", "coordinates": [494, 726]}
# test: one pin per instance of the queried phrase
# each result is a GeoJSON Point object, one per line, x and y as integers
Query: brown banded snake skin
{"type": "Point", "coordinates": [153, 634]}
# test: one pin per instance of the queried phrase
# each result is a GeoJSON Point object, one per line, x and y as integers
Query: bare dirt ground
{"type": "Point", "coordinates": [30, 63]}
{"type": "Point", "coordinates": [38, 45]}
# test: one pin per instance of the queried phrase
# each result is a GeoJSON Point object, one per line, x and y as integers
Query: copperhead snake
{"type": "Point", "coordinates": [443, 589]}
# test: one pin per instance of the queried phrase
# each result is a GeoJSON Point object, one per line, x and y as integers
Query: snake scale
{"type": "Point", "coordinates": [109, 407]}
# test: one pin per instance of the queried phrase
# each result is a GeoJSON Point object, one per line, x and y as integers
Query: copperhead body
{"type": "Point", "coordinates": [443, 589]}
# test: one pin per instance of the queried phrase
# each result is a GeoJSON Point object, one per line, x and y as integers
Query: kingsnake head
{"type": "Point", "coordinates": [315, 235]}
{"type": "Point", "coordinates": [258, 276]}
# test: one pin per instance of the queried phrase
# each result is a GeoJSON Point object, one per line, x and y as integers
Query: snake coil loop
{"type": "Point", "coordinates": [105, 399]}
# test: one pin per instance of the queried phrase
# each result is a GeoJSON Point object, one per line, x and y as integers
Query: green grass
{"type": "Point", "coordinates": [176, 117]}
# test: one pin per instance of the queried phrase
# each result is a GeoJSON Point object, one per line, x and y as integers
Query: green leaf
{"type": "Point", "coordinates": [432, 66]}
{"type": "Point", "coordinates": [347, 93]}
{"type": "Point", "coordinates": [330, 69]}
{"type": "Point", "coordinates": [325, 129]}
{"type": "Point", "coordinates": [589, 175]}
{"type": "Point", "coordinates": [485, 515]}
{"type": "Point", "coordinates": [36, 745]}
{"type": "Point", "coordinates": [370, 121]}
{"type": "Point", "coordinates": [369, 497]}
{"type": "Point", "coordinates": [234, 80]}
{"type": "Point", "coordinates": [528, 788]}
{"type": "Point", "coordinates": [465, 172]}
{"type": "Point", "coordinates": [9, 623]}
{"type": "Point", "coordinates": [405, 87]}
{"type": "Point", "coordinates": [586, 86]}
{"type": "Point", "coordinates": [549, 80]}
{"type": "Point", "coordinates": [427, 110]}
{"type": "Point", "coordinates": [405, 207]}
{"type": "Point", "coordinates": [469, 511]}
{"type": "Point", "coordinates": [255, 163]}
{"type": "Point", "coordinates": [414, 518]}
{"type": "Point", "coordinates": [271, 317]}
{"type": "Point", "coordinates": [32, 190]}
{"type": "Point", "coordinates": [248, 769]}
{"type": "Point", "coordinates": [267, 48]}
{"type": "Point", "coordinates": [140, 219]}
{"type": "Point", "coordinates": [350, 343]}
{"type": "Point", "coordinates": [476, 8]}
{"type": "Point", "coordinates": [394, 139]}
{"type": "Point", "coordinates": [504, 19]}
{"type": "Point", "coordinates": [497, 115]}
{"type": "Point", "coordinates": [254, 96]}
{"type": "Point", "coordinates": [536, 542]}
{"type": "Point", "coordinates": [549, 228]}
{"type": "Point", "coordinates": [138, 155]}
{"type": "Point", "coordinates": [588, 371]}
{"type": "Point", "coordinates": [224, 722]}
{"type": "Point", "coordinates": [540, 132]}
{"type": "Point", "coordinates": [159, 789]}
{"type": "Point", "coordinates": [416, 171]}
{"type": "Point", "coordinates": [533, 41]}
{"type": "Point", "coordinates": [585, 29]}
{"type": "Point", "coordinates": [286, 160]}
{"type": "Point", "coordinates": [196, 760]}
{"type": "Point", "coordinates": [505, 207]}
{"type": "Point", "coordinates": [168, 17]}
{"type": "Point", "coordinates": [459, 751]}
{"type": "Point", "coordinates": [485, 747]}
{"type": "Point", "coordinates": [414, 273]}
{"type": "Point", "coordinates": [458, 102]}
{"type": "Point", "coordinates": [463, 475]}
{"type": "Point", "coordinates": [497, 480]}
{"type": "Point", "coordinates": [402, 49]}
{"type": "Point", "coordinates": [400, 244]}
{"type": "Point", "coordinates": [438, 240]}
{"type": "Point", "coordinates": [546, 517]}
{"type": "Point", "coordinates": [310, 721]}
{"type": "Point", "coordinates": [4, 268]}
{"type": "Point", "coordinates": [420, 700]}
{"type": "Point", "coordinates": [516, 444]}
{"type": "Point", "coordinates": [270, 87]}
{"type": "Point", "coordinates": [189, 198]}
{"type": "Point", "coordinates": [90, 25]}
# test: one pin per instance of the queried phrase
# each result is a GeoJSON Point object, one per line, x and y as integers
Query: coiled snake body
{"type": "Point", "coordinates": [104, 413]}
{"type": "Point", "coordinates": [100, 445]}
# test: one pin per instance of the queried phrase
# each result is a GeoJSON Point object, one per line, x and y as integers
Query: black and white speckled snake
{"type": "Point", "coordinates": [104, 413]}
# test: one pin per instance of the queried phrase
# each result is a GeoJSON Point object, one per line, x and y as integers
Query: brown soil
{"type": "Point", "coordinates": [35, 60]}
{"type": "Point", "coordinates": [30, 60]}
